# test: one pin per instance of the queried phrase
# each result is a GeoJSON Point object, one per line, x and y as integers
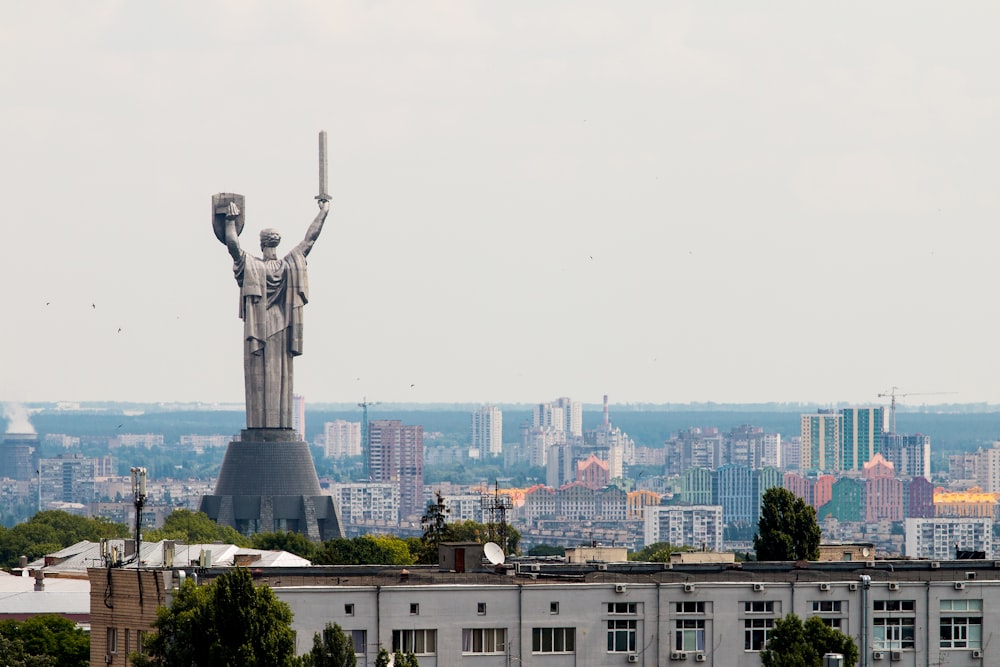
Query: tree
{"type": "Point", "coordinates": [50, 531]}
{"type": "Point", "coordinates": [53, 636]}
{"type": "Point", "coordinates": [331, 648]}
{"type": "Point", "coordinates": [365, 550]}
{"type": "Point", "coordinates": [546, 550]}
{"type": "Point", "coordinates": [195, 528]}
{"type": "Point", "coordinates": [227, 622]}
{"type": "Point", "coordinates": [383, 658]}
{"type": "Point", "coordinates": [658, 552]}
{"type": "Point", "coordinates": [793, 643]}
{"type": "Point", "coordinates": [787, 529]}
{"type": "Point", "coordinates": [400, 659]}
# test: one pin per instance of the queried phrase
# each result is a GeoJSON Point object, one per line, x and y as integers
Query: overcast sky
{"type": "Point", "coordinates": [661, 201]}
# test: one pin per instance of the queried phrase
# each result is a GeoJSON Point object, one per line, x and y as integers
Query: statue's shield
{"type": "Point", "coordinates": [220, 205]}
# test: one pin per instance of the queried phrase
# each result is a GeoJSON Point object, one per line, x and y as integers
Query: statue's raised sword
{"type": "Point", "coordinates": [324, 194]}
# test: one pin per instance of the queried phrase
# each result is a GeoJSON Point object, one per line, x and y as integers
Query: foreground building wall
{"type": "Point", "coordinates": [909, 614]}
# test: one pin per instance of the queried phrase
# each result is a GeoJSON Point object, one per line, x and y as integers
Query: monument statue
{"type": "Point", "coordinates": [273, 291]}
{"type": "Point", "coordinates": [268, 481]}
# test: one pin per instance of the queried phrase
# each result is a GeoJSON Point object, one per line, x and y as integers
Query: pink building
{"type": "Point", "coordinates": [593, 473]}
{"type": "Point", "coordinates": [883, 492]}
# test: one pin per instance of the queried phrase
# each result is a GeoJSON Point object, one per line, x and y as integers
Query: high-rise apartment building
{"type": "Point", "coordinates": [698, 526]}
{"type": "Point", "coordinates": [487, 431]}
{"type": "Point", "coordinates": [68, 478]}
{"type": "Point", "coordinates": [572, 415]}
{"type": "Point", "coordinates": [821, 438]}
{"type": "Point", "coordinates": [909, 454]}
{"type": "Point", "coordinates": [862, 432]}
{"type": "Point", "coordinates": [341, 438]}
{"type": "Point", "coordinates": [396, 454]}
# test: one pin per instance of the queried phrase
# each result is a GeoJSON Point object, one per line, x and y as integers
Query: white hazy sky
{"type": "Point", "coordinates": [662, 201]}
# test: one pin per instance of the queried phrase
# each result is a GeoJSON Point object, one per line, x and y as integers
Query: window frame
{"type": "Point", "coordinates": [686, 628]}
{"type": "Point", "coordinates": [622, 628]}
{"type": "Point", "coordinates": [399, 643]}
{"type": "Point", "coordinates": [568, 635]}
{"type": "Point", "coordinates": [754, 626]}
{"type": "Point", "coordinates": [494, 637]}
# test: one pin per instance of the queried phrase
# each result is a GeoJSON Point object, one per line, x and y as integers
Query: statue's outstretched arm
{"type": "Point", "coordinates": [316, 227]}
{"type": "Point", "coordinates": [232, 238]}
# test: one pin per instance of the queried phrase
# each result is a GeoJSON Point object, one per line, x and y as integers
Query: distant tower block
{"type": "Point", "coordinates": [16, 456]}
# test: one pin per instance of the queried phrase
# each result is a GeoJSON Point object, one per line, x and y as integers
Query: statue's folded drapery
{"type": "Point", "coordinates": [272, 294]}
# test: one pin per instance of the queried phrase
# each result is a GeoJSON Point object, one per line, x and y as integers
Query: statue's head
{"type": "Point", "coordinates": [269, 238]}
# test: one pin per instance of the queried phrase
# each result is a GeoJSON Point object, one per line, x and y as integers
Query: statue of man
{"type": "Point", "coordinates": [273, 291]}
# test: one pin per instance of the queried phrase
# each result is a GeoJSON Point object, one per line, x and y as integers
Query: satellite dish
{"type": "Point", "coordinates": [494, 554]}
{"type": "Point", "coordinates": [866, 552]}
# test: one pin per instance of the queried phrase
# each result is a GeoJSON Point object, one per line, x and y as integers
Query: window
{"type": "Point", "coordinates": [828, 606]}
{"type": "Point", "coordinates": [128, 641]}
{"type": "Point", "coordinates": [140, 642]}
{"type": "Point", "coordinates": [759, 607]}
{"type": "Point", "coordinates": [481, 608]}
{"type": "Point", "coordinates": [690, 608]}
{"type": "Point", "coordinates": [893, 605]}
{"type": "Point", "coordinates": [349, 610]}
{"type": "Point", "coordinates": [112, 640]}
{"type": "Point", "coordinates": [756, 632]}
{"type": "Point", "coordinates": [553, 607]}
{"type": "Point", "coordinates": [622, 608]}
{"type": "Point", "coordinates": [360, 640]}
{"type": "Point", "coordinates": [621, 636]}
{"type": "Point", "coordinates": [961, 624]}
{"type": "Point", "coordinates": [689, 634]}
{"type": "Point", "coordinates": [484, 640]}
{"type": "Point", "coordinates": [415, 609]}
{"type": "Point", "coordinates": [418, 642]}
{"type": "Point", "coordinates": [831, 622]}
{"type": "Point", "coordinates": [553, 640]}
{"type": "Point", "coordinates": [893, 633]}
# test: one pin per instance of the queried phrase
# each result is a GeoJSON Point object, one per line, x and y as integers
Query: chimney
{"type": "Point", "coordinates": [39, 580]}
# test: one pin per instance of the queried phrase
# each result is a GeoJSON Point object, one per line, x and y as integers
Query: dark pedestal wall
{"type": "Point", "coordinates": [268, 483]}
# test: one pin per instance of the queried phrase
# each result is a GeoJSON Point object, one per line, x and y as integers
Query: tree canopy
{"type": "Point", "coordinates": [50, 531]}
{"type": "Point", "coordinates": [658, 552]}
{"type": "Point", "coordinates": [793, 643]}
{"type": "Point", "coordinates": [195, 528]}
{"type": "Point", "coordinates": [331, 648]}
{"type": "Point", "coordinates": [226, 622]}
{"type": "Point", "coordinates": [46, 639]}
{"type": "Point", "coordinates": [295, 543]}
{"type": "Point", "coordinates": [365, 550]}
{"type": "Point", "coordinates": [787, 529]}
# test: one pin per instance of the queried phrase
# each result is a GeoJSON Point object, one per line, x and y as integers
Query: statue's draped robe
{"type": "Point", "coordinates": [272, 294]}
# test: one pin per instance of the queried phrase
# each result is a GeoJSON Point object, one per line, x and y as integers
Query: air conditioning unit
{"type": "Point", "coordinates": [534, 567]}
{"type": "Point", "coordinates": [602, 567]}
{"type": "Point", "coordinates": [632, 657]}
{"type": "Point", "coordinates": [678, 655]}
{"type": "Point", "coordinates": [959, 585]}
{"type": "Point", "coordinates": [935, 564]}
{"type": "Point", "coordinates": [977, 653]}
{"type": "Point", "coordinates": [758, 587]}
{"type": "Point", "coordinates": [700, 657]}
{"type": "Point", "coordinates": [824, 586]}
{"type": "Point", "coordinates": [853, 586]}
{"type": "Point", "coordinates": [878, 655]}
{"type": "Point", "coordinates": [620, 588]}
{"type": "Point", "coordinates": [689, 588]}
{"type": "Point", "coordinates": [896, 655]}
{"type": "Point", "coordinates": [893, 586]}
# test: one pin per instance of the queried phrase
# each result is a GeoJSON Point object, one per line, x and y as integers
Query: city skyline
{"type": "Point", "coordinates": [719, 204]}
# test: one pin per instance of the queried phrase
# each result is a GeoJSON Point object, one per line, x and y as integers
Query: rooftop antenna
{"type": "Point", "coordinates": [139, 498]}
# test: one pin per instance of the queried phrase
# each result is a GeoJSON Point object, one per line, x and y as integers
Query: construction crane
{"type": "Point", "coordinates": [364, 405]}
{"type": "Point", "coordinates": [891, 393]}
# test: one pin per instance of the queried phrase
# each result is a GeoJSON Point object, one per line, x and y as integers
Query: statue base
{"type": "Point", "coordinates": [268, 483]}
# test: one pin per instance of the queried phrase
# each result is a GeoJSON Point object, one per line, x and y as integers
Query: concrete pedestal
{"type": "Point", "coordinates": [268, 483]}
